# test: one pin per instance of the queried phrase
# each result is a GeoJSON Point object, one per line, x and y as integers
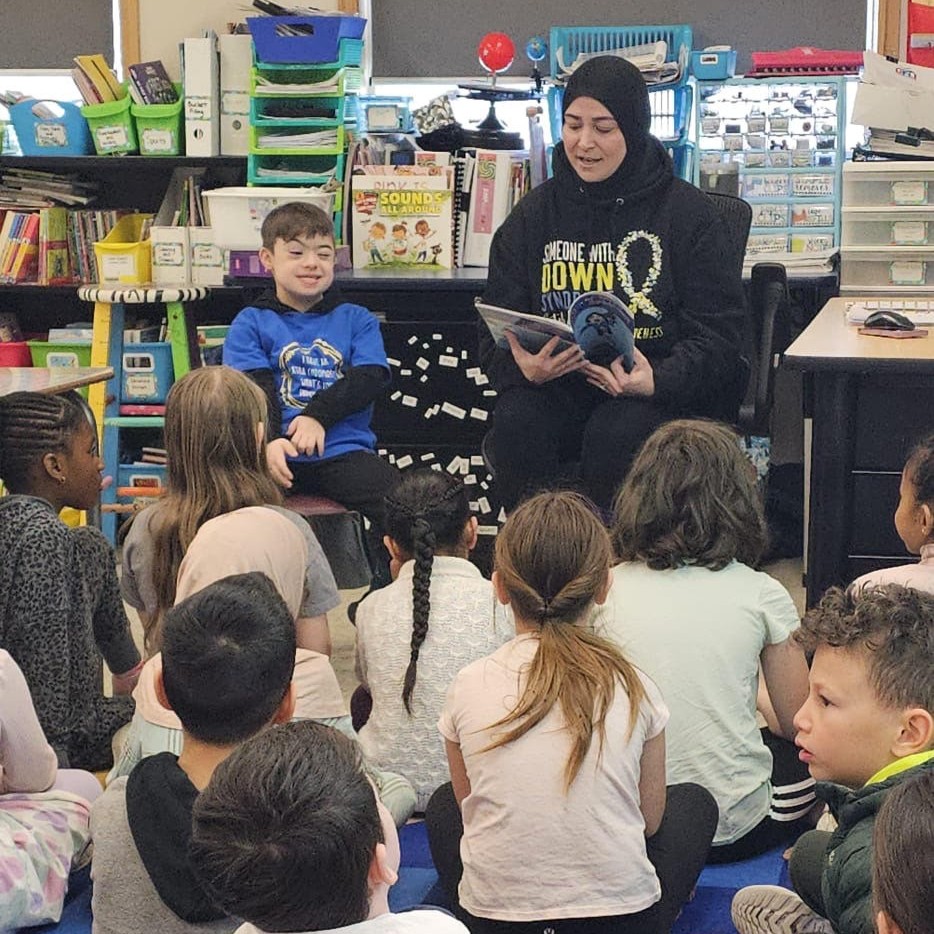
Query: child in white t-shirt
{"type": "Point", "coordinates": [556, 749]}
{"type": "Point", "coordinates": [413, 636]}
{"type": "Point", "coordinates": [914, 522]}
{"type": "Point", "coordinates": [290, 836]}
{"type": "Point", "coordinates": [687, 607]}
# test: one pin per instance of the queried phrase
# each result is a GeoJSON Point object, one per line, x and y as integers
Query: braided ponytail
{"type": "Point", "coordinates": [425, 514]}
{"type": "Point", "coordinates": [32, 425]}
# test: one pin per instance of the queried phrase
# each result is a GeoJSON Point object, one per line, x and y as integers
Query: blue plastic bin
{"type": "Point", "coordinates": [323, 44]}
{"type": "Point", "coordinates": [148, 372]}
{"type": "Point", "coordinates": [67, 135]}
{"type": "Point", "coordinates": [713, 65]}
{"type": "Point", "coordinates": [567, 42]}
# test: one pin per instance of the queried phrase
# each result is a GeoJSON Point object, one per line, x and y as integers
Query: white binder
{"type": "Point", "coordinates": [236, 60]}
{"type": "Point", "coordinates": [202, 91]}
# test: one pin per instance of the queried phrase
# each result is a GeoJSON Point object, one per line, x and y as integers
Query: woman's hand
{"type": "Point", "coordinates": [615, 381]}
{"type": "Point", "coordinates": [542, 367]}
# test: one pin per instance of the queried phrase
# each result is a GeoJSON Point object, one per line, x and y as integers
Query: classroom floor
{"type": "Point", "coordinates": [787, 571]}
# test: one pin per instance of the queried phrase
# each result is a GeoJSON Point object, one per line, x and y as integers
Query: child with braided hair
{"type": "Point", "coordinates": [416, 634]}
{"type": "Point", "coordinates": [60, 606]}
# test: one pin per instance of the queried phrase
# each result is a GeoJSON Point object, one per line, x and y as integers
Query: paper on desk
{"type": "Point", "coordinates": [893, 95]}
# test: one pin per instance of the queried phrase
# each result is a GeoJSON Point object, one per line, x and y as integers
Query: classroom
{"type": "Point", "coordinates": [392, 393]}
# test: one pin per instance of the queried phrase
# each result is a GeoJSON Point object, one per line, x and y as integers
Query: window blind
{"type": "Point", "coordinates": [438, 38]}
{"type": "Point", "coordinates": [50, 33]}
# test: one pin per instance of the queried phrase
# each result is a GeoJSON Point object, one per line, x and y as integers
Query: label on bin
{"type": "Point", "coordinates": [117, 267]}
{"type": "Point", "coordinates": [111, 137]}
{"type": "Point", "coordinates": [140, 385]}
{"type": "Point", "coordinates": [235, 102]}
{"type": "Point", "coordinates": [168, 253]}
{"type": "Point", "coordinates": [51, 135]}
{"type": "Point", "coordinates": [153, 140]}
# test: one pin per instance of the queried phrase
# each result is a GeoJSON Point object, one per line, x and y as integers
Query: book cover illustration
{"type": "Point", "coordinates": [402, 221]}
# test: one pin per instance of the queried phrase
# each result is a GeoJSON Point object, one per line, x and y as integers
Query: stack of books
{"type": "Point", "coordinates": [19, 247]}
{"type": "Point", "coordinates": [95, 79]}
{"type": "Point", "coordinates": [25, 189]}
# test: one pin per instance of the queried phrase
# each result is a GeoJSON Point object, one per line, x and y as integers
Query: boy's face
{"type": "Point", "coordinates": [303, 269]}
{"type": "Point", "coordinates": [845, 734]}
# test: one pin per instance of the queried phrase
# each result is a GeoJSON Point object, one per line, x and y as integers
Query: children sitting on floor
{"type": "Point", "coordinates": [914, 522]}
{"type": "Point", "coordinates": [687, 607]}
{"type": "Point", "coordinates": [321, 364]}
{"type": "Point", "coordinates": [289, 836]}
{"type": "Point", "coordinates": [214, 441]}
{"type": "Point", "coordinates": [227, 659]}
{"type": "Point", "coordinates": [903, 858]}
{"type": "Point", "coordinates": [866, 727]}
{"type": "Point", "coordinates": [60, 607]}
{"type": "Point", "coordinates": [253, 538]}
{"type": "Point", "coordinates": [416, 634]}
{"type": "Point", "coordinates": [43, 811]}
{"type": "Point", "coordinates": [557, 810]}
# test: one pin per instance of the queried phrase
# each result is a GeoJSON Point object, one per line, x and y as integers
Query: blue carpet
{"type": "Point", "coordinates": [707, 913]}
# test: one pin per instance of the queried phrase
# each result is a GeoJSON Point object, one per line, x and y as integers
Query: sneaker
{"type": "Point", "coordinates": [603, 327]}
{"type": "Point", "coordinates": [771, 909]}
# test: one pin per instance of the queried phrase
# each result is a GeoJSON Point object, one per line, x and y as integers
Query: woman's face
{"type": "Point", "coordinates": [593, 142]}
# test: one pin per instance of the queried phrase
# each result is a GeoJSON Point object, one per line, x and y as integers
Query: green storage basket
{"type": "Point", "coordinates": [159, 127]}
{"type": "Point", "coordinates": [112, 126]}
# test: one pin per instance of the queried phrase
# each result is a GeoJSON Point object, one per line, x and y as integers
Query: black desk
{"type": "Point", "coordinates": [870, 399]}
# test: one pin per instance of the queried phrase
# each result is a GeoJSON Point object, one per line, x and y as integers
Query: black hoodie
{"type": "Point", "coordinates": [654, 240]}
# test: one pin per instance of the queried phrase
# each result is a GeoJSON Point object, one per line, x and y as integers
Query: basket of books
{"type": "Point", "coordinates": [51, 128]}
{"type": "Point", "coordinates": [156, 109]}
{"type": "Point", "coordinates": [124, 256]}
{"type": "Point", "coordinates": [112, 126]}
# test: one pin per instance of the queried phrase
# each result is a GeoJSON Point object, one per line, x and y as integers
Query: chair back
{"type": "Point", "coordinates": [737, 216]}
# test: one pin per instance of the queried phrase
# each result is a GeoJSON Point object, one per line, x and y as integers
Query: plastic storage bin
{"type": "Point", "coordinates": [237, 214]}
{"type": "Point", "coordinates": [322, 43]}
{"type": "Point", "coordinates": [112, 127]}
{"type": "Point", "coordinates": [159, 127]}
{"type": "Point", "coordinates": [15, 353]}
{"type": "Point", "coordinates": [567, 42]}
{"type": "Point", "coordinates": [290, 138]}
{"type": "Point", "coordinates": [713, 64]}
{"type": "Point", "coordinates": [318, 112]}
{"type": "Point", "coordinates": [297, 81]}
{"type": "Point", "coordinates": [147, 372]}
{"type": "Point", "coordinates": [43, 135]}
{"type": "Point", "coordinates": [49, 354]}
{"type": "Point", "coordinates": [294, 170]}
{"type": "Point", "coordinates": [122, 257]}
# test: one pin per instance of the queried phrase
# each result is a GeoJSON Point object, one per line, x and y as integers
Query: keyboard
{"type": "Point", "coordinates": [920, 312]}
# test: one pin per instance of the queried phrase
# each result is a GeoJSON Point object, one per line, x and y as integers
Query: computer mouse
{"type": "Point", "coordinates": [888, 320]}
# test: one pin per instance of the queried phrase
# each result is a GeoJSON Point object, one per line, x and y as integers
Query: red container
{"type": "Point", "coordinates": [15, 353]}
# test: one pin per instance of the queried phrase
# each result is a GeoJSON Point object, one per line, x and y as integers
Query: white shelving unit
{"type": "Point", "coordinates": [887, 235]}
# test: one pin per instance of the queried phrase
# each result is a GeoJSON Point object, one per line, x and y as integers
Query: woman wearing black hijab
{"type": "Point", "coordinates": [613, 218]}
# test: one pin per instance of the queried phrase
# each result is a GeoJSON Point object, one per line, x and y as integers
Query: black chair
{"type": "Point", "coordinates": [767, 297]}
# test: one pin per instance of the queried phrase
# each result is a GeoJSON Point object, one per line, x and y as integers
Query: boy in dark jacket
{"type": "Point", "coordinates": [867, 725]}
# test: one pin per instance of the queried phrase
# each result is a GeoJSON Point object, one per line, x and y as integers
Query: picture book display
{"type": "Point", "coordinates": [403, 220]}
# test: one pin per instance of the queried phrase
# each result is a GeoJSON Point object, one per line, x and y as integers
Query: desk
{"type": "Point", "coordinates": [870, 399]}
{"type": "Point", "coordinates": [54, 380]}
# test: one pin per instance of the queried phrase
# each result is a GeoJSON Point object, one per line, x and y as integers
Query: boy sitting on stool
{"type": "Point", "coordinates": [289, 836]}
{"type": "Point", "coordinates": [867, 725]}
{"type": "Point", "coordinates": [321, 363]}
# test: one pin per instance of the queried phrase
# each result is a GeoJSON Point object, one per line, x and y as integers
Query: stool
{"type": "Point", "coordinates": [340, 532]}
{"type": "Point", "coordinates": [107, 350]}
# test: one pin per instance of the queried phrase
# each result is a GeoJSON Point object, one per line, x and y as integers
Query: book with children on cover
{"type": "Point", "coordinates": [600, 323]}
{"type": "Point", "coordinates": [403, 220]}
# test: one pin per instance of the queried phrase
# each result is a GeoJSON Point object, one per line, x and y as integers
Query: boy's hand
{"type": "Point", "coordinates": [615, 381]}
{"type": "Point", "coordinates": [542, 367]}
{"type": "Point", "coordinates": [307, 435]}
{"type": "Point", "coordinates": [276, 453]}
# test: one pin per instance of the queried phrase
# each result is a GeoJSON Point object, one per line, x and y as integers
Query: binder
{"type": "Point", "coordinates": [202, 91]}
{"type": "Point", "coordinates": [236, 59]}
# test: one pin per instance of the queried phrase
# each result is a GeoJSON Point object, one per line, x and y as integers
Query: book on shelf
{"type": "Point", "coordinates": [55, 263]}
{"type": "Point", "coordinates": [95, 80]}
{"type": "Point", "coordinates": [31, 188]}
{"type": "Point", "coordinates": [151, 455]}
{"type": "Point", "coordinates": [149, 83]}
{"type": "Point", "coordinates": [19, 238]}
{"type": "Point", "coordinates": [403, 219]}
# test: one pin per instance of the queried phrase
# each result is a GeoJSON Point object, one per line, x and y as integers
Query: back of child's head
{"type": "Point", "coordinates": [690, 497]}
{"type": "Point", "coordinates": [32, 425]}
{"type": "Point", "coordinates": [920, 470]}
{"type": "Point", "coordinates": [227, 658]}
{"type": "Point", "coordinates": [552, 559]}
{"type": "Point", "coordinates": [903, 856]}
{"type": "Point", "coordinates": [215, 464]}
{"type": "Point", "coordinates": [284, 834]}
{"type": "Point", "coordinates": [293, 220]}
{"type": "Point", "coordinates": [892, 626]}
{"type": "Point", "coordinates": [426, 514]}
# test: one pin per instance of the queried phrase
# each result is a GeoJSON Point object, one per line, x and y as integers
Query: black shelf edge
{"type": "Point", "coordinates": [95, 163]}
